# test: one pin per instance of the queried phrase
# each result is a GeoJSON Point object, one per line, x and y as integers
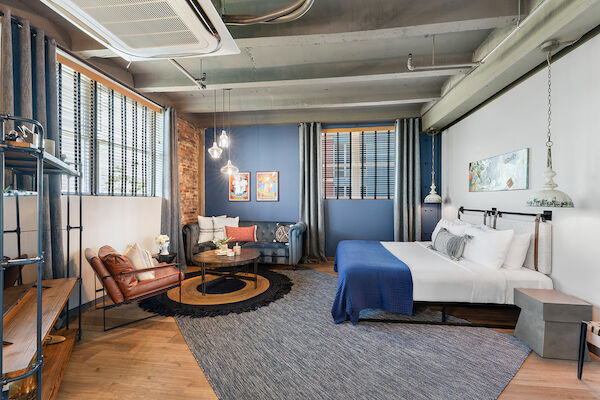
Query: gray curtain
{"type": "Point", "coordinates": [311, 199]}
{"type": "Point", "coordinates": [170, 223]}
{"type": "Point", "coordinates": [35, 96]}
{"type": "Point", "coordinates": [407, 181]}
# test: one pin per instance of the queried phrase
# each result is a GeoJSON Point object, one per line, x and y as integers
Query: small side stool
{"type": "Point", "coordinates": [550, 321]}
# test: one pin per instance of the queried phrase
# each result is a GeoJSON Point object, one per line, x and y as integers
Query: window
{"type": "Point", "coordinates": [115, 140]}
{"type": "Point", "coordinates": [358, 163]}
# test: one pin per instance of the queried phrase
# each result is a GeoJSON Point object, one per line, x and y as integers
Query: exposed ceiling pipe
{"type": "Point", "coordinates": [411, 67]}
{"type": "Point", "coordinates": [288, 14]}
{"type": "Point", "coordinates": [201, 83]}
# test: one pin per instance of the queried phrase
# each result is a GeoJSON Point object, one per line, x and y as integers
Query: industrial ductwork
{"type": "Point", "coordinates": [288, 14]}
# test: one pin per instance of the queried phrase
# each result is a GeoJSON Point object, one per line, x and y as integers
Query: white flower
{"type": "Point", "coordinates": [160, 239]}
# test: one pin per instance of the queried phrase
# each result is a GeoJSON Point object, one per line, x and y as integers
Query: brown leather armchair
{"type": "Point", "coordinates": [119, 279]}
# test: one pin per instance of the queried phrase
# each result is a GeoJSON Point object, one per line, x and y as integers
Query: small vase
{"type": "Point", "coordinates": [224, 246]}
{"type": "Point", "coordinates": [164, 249]}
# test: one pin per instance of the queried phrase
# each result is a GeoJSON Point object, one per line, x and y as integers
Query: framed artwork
{"type": "Point", "coordinates": [239, 186]}
{"type": "Point", "coordinates": [509, 171]}
{"type": "Point", "coordinates": [267, 186]}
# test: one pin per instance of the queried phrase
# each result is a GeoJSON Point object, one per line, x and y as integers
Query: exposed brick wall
{"type": "Point", "coordinates": [191, 148]}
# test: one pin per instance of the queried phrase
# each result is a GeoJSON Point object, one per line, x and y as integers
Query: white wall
{"type": "Point", "coordinates": [518, 119]}
{"type": "Point", "coordinates": [114, 221]}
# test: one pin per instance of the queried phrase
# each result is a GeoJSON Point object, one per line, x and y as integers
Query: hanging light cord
{"type": "Point", "coordinates": [432, 159]}
{"type": "Point", "coordinates": [549, 142]}
{"type": "Point", "coordinates": [215, 117]}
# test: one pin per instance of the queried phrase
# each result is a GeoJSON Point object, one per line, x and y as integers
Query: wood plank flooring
{"type": "Point", "coordinates": [150, 359]}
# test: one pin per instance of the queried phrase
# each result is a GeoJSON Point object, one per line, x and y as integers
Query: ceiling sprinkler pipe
{"type": "Point", "coordinates": [291, 13]}
{"type": "Point", "coordinates": [411, 67]}
{"type": "Point", "coordinates": [201, 83]}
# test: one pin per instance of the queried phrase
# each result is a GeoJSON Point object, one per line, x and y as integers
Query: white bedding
{"type": "Point", "coordinates": [439, 279]}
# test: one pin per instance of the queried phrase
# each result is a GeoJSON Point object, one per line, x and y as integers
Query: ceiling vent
{"type": "Point", "coordinates": [150, 29]}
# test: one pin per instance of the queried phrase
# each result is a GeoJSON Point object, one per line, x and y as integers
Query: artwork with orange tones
{"type": "Point", "coordinates": [267, 186]}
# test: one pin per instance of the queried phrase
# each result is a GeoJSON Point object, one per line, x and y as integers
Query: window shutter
{"type": "Point", "coordinates": [358, 164]}
{"type": "Point", "coordinates": [115, 141]}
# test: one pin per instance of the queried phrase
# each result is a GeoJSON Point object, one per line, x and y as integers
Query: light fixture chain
{"type": "Point", "coordinates": [549, 135]}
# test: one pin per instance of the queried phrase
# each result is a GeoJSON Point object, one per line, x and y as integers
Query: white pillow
{"type": "Point", "coordinates": [220, 223]}
{"type": "Point", "coordinates": [488, 247]}
{"type": "Point", "coordinates": [207, 230]}
{"type": "Point", "coordinates": [517, 252]}
{"type": "Point", "coordinates": [140, 260]}
{"type": "Point", "coordinates": [456, 227]}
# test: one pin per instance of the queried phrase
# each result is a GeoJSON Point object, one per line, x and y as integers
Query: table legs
{"type": "Point", "coordinates": [203, 279]}
{"type": "Point", "coordinates": [255, 274]}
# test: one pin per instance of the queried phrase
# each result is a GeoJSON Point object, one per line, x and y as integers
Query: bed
{"type": "Point", "coordinates": [393, 275]}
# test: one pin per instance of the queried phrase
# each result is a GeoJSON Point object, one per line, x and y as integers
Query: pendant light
{"type": "Point", "coordinates": [549, 196]}
{"type": "Point", "coordinates": [215, 151]}
{"type": "Point", "coordinates": [224, 139]}
{"type": "Point", "coordinates": [228, 168]}
{"type": "Point", "coordinates": [433, 197]}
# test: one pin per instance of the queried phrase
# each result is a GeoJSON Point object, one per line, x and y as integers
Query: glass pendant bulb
{"type": "Point", "coordinates": [229, 168]}
{"type": "Point", "coordinates": [215, 151]}
{"type": "Point", "coordinates": [224, 139]}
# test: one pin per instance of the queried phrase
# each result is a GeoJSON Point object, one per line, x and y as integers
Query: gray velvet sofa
{"type": "Point", "coordinates": [270, 252]}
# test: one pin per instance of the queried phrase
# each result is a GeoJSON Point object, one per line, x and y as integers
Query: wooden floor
{"type": "Point", "coordinates": [150, 360]}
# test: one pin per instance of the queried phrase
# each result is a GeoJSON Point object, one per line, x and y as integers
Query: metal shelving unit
{"type": "Point", "coordinates": [27, 159]}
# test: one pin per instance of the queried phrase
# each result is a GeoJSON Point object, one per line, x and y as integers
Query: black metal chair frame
{"type": "Point", "coordinates": [136, 299]}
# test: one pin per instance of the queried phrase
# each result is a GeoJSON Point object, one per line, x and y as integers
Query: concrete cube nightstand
{"type": "Point", "coordinates": [550, 322]}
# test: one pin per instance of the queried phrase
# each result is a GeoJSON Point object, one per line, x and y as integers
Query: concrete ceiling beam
{"type": "Point", "coordinates": [563, 20]}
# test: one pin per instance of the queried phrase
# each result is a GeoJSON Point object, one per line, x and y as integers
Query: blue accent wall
{"type": "Point", "coordinates": [265, 148]}
{"type": "Point", "coordinates": [256, 148]}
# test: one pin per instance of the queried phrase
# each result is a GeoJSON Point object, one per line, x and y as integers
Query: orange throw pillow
{"type": "Point", "coordinates": [241, 234]}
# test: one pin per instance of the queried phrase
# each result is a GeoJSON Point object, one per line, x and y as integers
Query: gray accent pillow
{"type": "Point", "coordinates": [282, 233]}
{"type": "Point", "coordinates": [449, 244]}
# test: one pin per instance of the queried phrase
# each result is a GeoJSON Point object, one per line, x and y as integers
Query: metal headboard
{"type": "Point", "coordinates": [544, 216]}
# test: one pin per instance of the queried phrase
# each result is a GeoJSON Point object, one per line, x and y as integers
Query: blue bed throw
{"type": "Point", "coordinates": [369, 276]}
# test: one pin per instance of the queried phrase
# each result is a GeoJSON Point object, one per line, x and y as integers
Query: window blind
{"type": "Point", "coordinates": [358, 163]}
{"type": "Point", "coordinates": [115, 140]}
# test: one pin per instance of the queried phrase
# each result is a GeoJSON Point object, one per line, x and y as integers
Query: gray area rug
{"type": "Point", "coordinates": [291, 349]}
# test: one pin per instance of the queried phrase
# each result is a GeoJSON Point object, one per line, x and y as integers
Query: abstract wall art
{"type": "Point", "coordinates": [509, 171]}
{"type": "Point", "coordinates": [239, 186]}
{"type": "Point", "coordinates": [267, 186]}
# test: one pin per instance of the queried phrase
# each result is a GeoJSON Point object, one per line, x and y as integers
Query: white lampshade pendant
{"type": "Point", "coordinates": [215, 151]}
{"type": "Point", "coordinates": [549, 196]}
{"type": "Point", "coordinates": [224, 139]}
{"type": "Point", "coordinates": [229, 168]}
{"type": "Point", "coordinates": [433, 197]}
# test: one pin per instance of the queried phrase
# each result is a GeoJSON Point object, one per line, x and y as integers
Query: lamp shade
{"type": "Point", "coordinates": [433, 197]}
{"type": "Point", "coordinates": [229, 168]}
{"type": "Point", "coordinates": [224, 139]}
{"type": "Point", "coordinates": [215, 151]}
{"type": "Point", "coordinates": [549, 196]}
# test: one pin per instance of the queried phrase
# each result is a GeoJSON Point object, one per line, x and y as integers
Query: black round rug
{"type": "Point", "coordinates": [233, 295]}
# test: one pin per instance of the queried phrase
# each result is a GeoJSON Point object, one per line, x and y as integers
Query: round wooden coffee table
{"type": "Point", "coordinates": [211, 259]}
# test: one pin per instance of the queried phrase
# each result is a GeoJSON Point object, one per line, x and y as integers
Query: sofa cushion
{"type": "Point", "coordinates": [140, 260]}
{"type": "Point", "coordinates": [165, 277]}
{"type": "Point", "coordinates": [109, 283]}
{"type": "Point", "coordinates": [116, 264]}
{"type": "Point", "coordinates": [265, 231]}
{"type": "Point", "coordinates": [221, 222]}
{"type": "Point", "coordinates": [241, 234]}
{"type": "Point", "coordinates": [269, 249]}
